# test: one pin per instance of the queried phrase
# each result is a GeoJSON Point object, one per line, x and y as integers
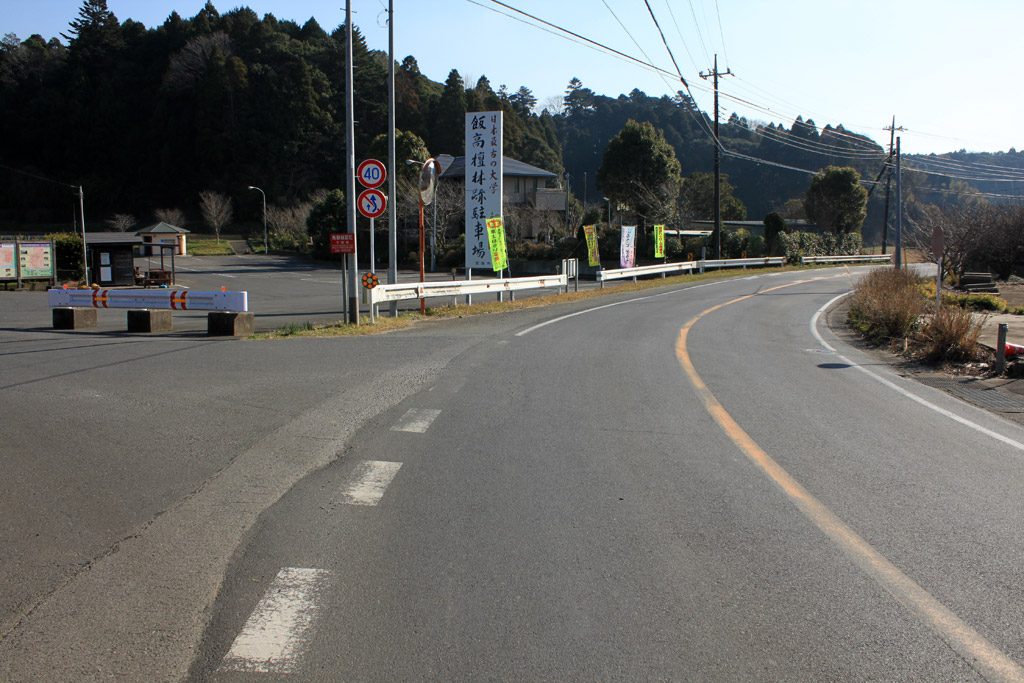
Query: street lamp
{"type": "Point", "coordinates": [266, 249]}
{"type": "Point", "coordinates": [609, 212]}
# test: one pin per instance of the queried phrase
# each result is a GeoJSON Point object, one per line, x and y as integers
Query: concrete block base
{"type": "Point", "coordinates": [147, 320]}
{"type": "Point", "coordinates": [224, 324]}
{"type": "Point", "coordinates": [74, 318]}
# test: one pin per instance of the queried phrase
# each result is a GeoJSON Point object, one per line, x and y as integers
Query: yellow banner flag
{"type": "Point", "coordinates": [659, 241]}
{"type": "Point", "coordinates": [496, 240]}
{"type": "Point", "coordinates": [593, 257]}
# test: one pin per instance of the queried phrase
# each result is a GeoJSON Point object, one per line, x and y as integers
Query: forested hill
{"type": "Point", "coordinates": [149, 117]}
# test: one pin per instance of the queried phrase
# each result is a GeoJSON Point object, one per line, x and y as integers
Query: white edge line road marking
{"type": "Point", "coordinates": [369, 482]}
{"type": "Point", "coordinates": [895, 387]}
{"type": "Point", "coordinates": [417, 420]}
{"type": "Point", "coordinates": [559, 319]}
{"type": "Point", "coordinates": [273, 639]}
{"type": "Point", "coordinates": [978, 653]}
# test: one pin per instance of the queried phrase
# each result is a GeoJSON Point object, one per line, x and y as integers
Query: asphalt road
{"type": "Point", "coordinates": [599, 498]}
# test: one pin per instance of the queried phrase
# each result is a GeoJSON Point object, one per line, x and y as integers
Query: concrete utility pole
{"type": "Point", "coordinates": [350, 153]}
{"type": "Point", "coordinates": [392, 194]}
{"type": "Point", "coordinates": [899, 208]}
{"type": "Point", "coordinates": [888, 181]}
{"type": "Point", "coordinates": [718, 158]}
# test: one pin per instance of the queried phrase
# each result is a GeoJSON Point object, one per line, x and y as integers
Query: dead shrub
{"type": "Point", "coordinates": [951, 335]}
{"type": "Point", "coordinates": [887, 304]}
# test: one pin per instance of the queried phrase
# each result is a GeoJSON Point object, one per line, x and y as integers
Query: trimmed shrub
{"type": "Point", "coordinates": [68, 246]}
{"type": "Point", "coordinates": [794, 245]}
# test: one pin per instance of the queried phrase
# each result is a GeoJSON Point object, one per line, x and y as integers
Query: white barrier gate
{"type": "Point", "coordinates": [173, 299]}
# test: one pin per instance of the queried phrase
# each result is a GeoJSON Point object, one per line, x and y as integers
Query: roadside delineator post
{"type": "Point", "coordinates": [1001, 349]}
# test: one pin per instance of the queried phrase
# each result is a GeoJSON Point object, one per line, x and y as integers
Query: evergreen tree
{"type": "Point", "coordinates": [640, 171]}
{"type": "Point", "coordinates": [447, 136]}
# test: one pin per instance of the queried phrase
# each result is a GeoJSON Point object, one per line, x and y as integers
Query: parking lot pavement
{"type": "Point", "coordinates": [282, 290]}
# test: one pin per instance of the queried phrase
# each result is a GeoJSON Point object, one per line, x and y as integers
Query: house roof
{"type": "Point", "coordinates": [510, 168]}
{"type": "Point", "coordinates": [164, 229]}
{"type": "Point", "coordinates": [93, 238]}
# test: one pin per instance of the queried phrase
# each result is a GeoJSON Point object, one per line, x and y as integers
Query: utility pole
{"type": "Point", "coordinates": [888, 181]}
{"type": "Point", "coordinates": [718, 157]}
{"type": "Point", "coordinates": [899, 208]}
{"type": "Point", "coordinates": [392, 161]}
{"type": "Point", "coordinates": [350, 154]}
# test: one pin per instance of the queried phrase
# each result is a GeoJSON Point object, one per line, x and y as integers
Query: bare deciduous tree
{"type": "Point", "coordinates": [173, 216]}
{"type": "Point", "coordinates": [122, 222]}
{"type": "Point", "coordinates": [216, 209]}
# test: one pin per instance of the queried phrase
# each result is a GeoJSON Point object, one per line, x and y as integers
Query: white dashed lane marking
{"type": "Point", "coordinates": [369, 482]}
{"type": "Point", "coordinates": [416, 420]}
{"type": "Point", "coordinates": [274, 637]}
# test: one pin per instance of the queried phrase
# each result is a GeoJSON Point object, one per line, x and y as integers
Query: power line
{"type": "Point", "coordinates": [813, 147]}
{"type": "Point", "coordinates": [578, 38]}
{"type": "Point", "coordinates": [696, 26]}
{"type": "Point", "coordinates": [721, 34]}
{"type": "Point", "coordinates": [665, 43]}
{"type": "Point", "coordinates": [601, 47]}
{"type": "Point", "coordinates": [672, 14]}
{"type": "Point", "coordinates": [910, 167]}
{"type": "Point", "coordinates": [38, 177]}
{"type": "Point", "coordinates": [933, 190]}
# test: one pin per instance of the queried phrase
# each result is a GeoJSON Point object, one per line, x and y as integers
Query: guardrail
{"type": "Point", "coordinates": [742, 262]}
{"type": "Point", "coordinates": [404, 291]}
{"type": "Point", "coordinates": [862, 258]}
{"type": "Point", "coordinates": [663, 268]}
{"type": "Point", "coordinates": [150, 310]}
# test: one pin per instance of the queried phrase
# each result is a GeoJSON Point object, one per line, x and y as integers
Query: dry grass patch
{"type": "Point", "coordinates": [887, 304]}
{"type": "Point", "coordinates": [951, 335]}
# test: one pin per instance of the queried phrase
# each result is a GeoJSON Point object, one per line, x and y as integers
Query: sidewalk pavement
{"type": "Point", "coordinates": [990, 329]}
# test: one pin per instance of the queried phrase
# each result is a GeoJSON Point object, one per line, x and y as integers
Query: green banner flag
{"type": "Point", "coordinates": [659, 241]}
{"type": "Point", "coordinates": [496, 240]}
{"type": "Point", "coordinates": [593, 257]}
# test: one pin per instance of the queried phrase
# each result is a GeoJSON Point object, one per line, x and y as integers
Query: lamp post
{"type": "Point", "coordinates": [266, 249]}
{"type": "Point", "coordinates": [609, 212]}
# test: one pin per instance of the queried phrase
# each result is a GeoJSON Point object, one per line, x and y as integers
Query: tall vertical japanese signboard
{"type": "Point", "coordinates": [484, 185]}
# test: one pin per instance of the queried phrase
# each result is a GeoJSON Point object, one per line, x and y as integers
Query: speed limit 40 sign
{"type": "Point", "coordinates": [372, 173]}
{"type": "Point", "coordinates": [372, 203]}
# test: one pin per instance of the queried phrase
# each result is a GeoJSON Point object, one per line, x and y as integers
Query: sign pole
{"type": "Point", "coordinates": [344, 285]}
{"type": "Point", "coordinates": [392, 158]}
{"type": "Point", "coordinates": [350, 154]}
{"type": "Point", "coordinates": [373, 265]}
{"type": "Point", "coordinates": [373, 253]}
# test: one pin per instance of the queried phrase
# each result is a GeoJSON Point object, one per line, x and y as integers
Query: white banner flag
{"type": "Point", "coordinates": [484, 185]}
{"type": "Point", "coordinates": [627, 248]}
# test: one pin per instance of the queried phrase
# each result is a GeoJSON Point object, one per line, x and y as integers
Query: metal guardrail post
{"type": "Point", "coordinates": [1001, 349]}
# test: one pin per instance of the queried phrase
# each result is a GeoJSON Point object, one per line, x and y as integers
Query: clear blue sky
{"type": "Point", "coordinates": [947, 69]}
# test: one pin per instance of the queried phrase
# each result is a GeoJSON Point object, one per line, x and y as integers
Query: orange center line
{"type": "Point", "coordinates": [978, 652]}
